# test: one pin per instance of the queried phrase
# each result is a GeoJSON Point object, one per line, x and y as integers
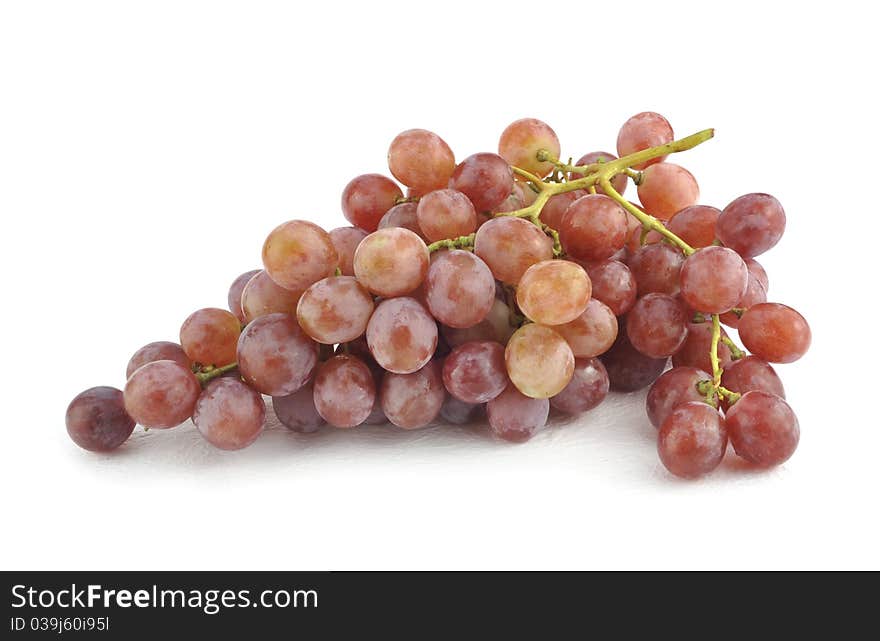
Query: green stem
{"type": "Point", "coordinates": [735, 352]}
{"type": "Point", "coordinates": [208, 374]}
{"type": "Point", "coordinates": [713, 351]}
{"type": "Point", "coordinates": [462, 242]}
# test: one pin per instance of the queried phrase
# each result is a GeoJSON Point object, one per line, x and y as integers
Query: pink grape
{"type": "Point", "coordinates": [297, 411]}
{"type": "Point", "coordinates": [446, 213]}
{"type": "Point", "coordinates": [695, 350]}
{"type": "Point", "coordinates": [520, 143]}
{"type": "Point", "coordinates": [421, 160]}
{"type": "Point", "coordinates": [229, 414]}
{"type": "Point", "coordinates": [275, 356]}
{"type": "Point", "coordinates": [391, 262]}
{"type": "Point", "coordinates": [233, 298]}
{"type": "Point", "coordinates": [403, 215]}
{"type": "Point", "coordinates": [695, 225]}
{"type": "Point", "coordinates": [262, 296]}
{"type": "Point", "coordinates": [344, 391]}
{"type": "Point", "coordinates": [495, 327]}
{"type": "Point", "coordinates": [515, 417]}
{"type": "Point", "coordinates": [657, 325]}
{"type": "Point", "coordinates": [335, 310]}
{"type": "Point", "coordinates": [401, 335]}
{"type": "Point", "coordinates": [509, 246]}
{"type": "Point", "coordinates": [413, 400]}
{"type": "Point", "coordinates": [475, 372]}
{"type": "Point", "coordinates": [666, 189]}
{"type": "Point", "coordinates": [158, 351]}
{"type": "Point", "coordinates": [366, 199]}
{"type": "Point", "coordinates": [593, 332]}
{"type": "Point", "coordinates": [554, 209]}
{"type": "Point", "coordinates": [643, 131]}
{"type": "Point", "coordinates": [346, 240]}
{"type": "Point", "coordinates": [459, 289]}
{"type": "Point", "coordinates": [298, 253]}
{"type": "Point", "coordinates": [210, 336]}
{"type": "Point", "coordinates": [161, 394]}
{"type": "Point", "coordinates": [755, 293]}
{"type": "Point", "coordinates": [554, 292]}
{"type": "Point", "coordinates": [713, 280]}
{"type": "Point", "coordinates": [539, 361]}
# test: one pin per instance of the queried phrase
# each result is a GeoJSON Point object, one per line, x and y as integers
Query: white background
{"type": "Point", "coordinates": [147, 148]}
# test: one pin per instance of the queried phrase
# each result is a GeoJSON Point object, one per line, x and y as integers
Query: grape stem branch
{"type": "Point", "coordinates": [207, 374]}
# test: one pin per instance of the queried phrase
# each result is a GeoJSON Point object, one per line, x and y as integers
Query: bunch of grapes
{"type": "Point", "coordinates": [507, 285]}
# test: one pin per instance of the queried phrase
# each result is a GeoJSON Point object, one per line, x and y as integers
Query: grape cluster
{"type": "Point", "coordinates": [507, 285]}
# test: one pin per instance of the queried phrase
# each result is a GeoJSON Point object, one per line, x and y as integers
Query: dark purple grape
{"type": "Point", "coordinates": [97, 421]}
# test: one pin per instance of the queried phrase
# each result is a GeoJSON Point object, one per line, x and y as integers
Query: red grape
{"type": "Point", "coordinates": [515, 417]}
{"type": "Point", "coordinates": [713, 280]}
{"type": "Point", "coordinates": [554, 209]}
{"type": "Point", "coordinates": [366, 199]}
{"type": "Point", "coordinates": [413, 400]}
{"type": "Point", "coordinates": [613, 284]}
{"type": "Point", "coordinates": [593, 228]}
{"type": "Point", "coordinates": [458, 412]}
{"type": "Point", "coordinates": [751, 224]}
{"type": "Point", "coordinates": [588, 387]}
{"type": "Point", "coordinates": [656, 268]}
{"type": "Point", "coordinates": [763, 429]}
{"type": "Point", "coordinates": [297, 411]}
{"type": "Point", "coordinates": [692, 440]}
{"type": "Point", "coordinates": [751, 373]}
{"type": "Point", "coordinates": [695, 350]}
{"type": "Point", "coordinates": [674, 387]}
{"type": "Point", "coordinates": [486, 179]}
{"type": "Point", "coordinates": [755, 293]}
{"type": "Point", "coordinates": [403, 215]}
{"type": "Point", "coordinates": [628, 369]}
{"type": "Point", "coordinates": [775, 332]}
{"type": "Point", "coordinates": [657, 325]}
